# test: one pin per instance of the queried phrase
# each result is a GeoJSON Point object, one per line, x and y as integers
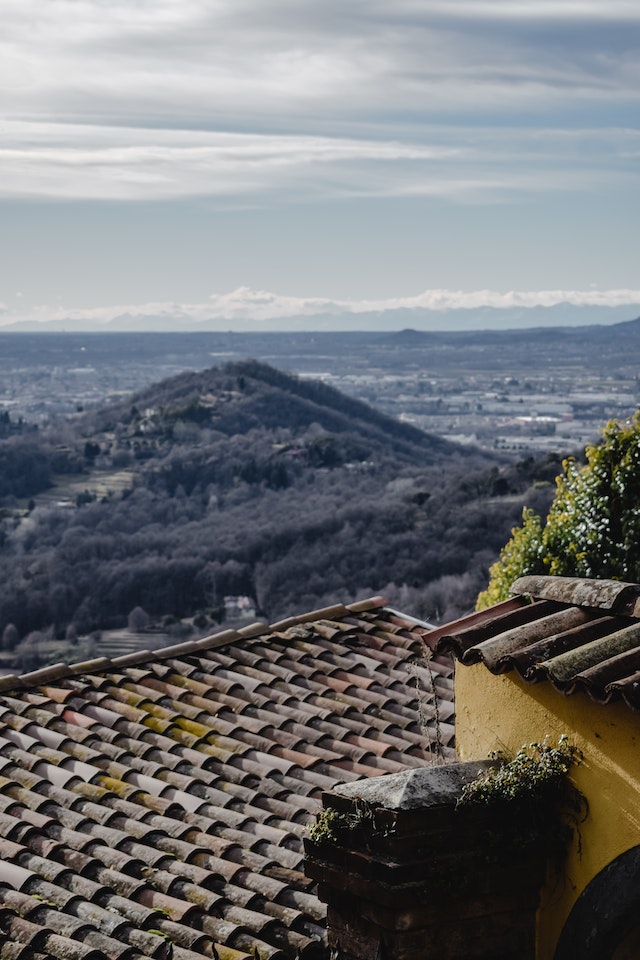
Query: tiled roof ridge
{"type": "Point", "coordinates": [61, 671]}
{"type": "Point", "coordinates": [618, 596]}
{"type": "Point", "coordinates": [576, 633]}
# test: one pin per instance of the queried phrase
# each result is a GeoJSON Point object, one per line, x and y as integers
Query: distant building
{"type": "Point", "coordinates": [240, 607]}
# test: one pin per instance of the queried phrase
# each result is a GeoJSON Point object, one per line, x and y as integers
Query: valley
{"type": "Point", "coordinates": [204, 478]}
{"type": "Point", "coordinates": [239, 489]}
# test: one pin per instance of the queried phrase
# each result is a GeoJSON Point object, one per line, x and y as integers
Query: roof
{"type": "Point", "coordinates": [154, 805]}
{"type": "Point", "coordinates": [576, 634]}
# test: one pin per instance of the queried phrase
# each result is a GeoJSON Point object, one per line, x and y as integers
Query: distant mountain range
{"type": "Point", "coordinates": [388, 320]}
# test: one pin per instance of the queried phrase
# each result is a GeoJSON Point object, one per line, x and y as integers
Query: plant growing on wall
{"type": "Point", "coordinates": [534, 793]}
{"type": "Point", "coordinates": [334, 826]}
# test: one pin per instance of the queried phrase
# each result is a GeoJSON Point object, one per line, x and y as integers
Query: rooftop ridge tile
{"type": "Point", "coordinates": [131, 659]}
{"type": "Point", "coordinates": [223, 638]}
{"type": "Point", "coordinates": [97, 665]}
{"type": "Point", "coordinates": [254, 630]}
{"type": "Point", "coordinates": [338, 610]}
{"type": "Point", "coordinates": [363, 606]}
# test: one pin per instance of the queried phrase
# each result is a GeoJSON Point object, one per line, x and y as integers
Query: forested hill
{"type": "Point", "coordinates": [242, 480]}
{"type": "Point", "coordinates": [245, 396]}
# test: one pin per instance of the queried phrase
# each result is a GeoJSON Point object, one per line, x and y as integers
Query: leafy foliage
{"type": "Point", "coordinates": [331, 826]}
{"type": "Point", "coordinates": [593, 525]}
{"type": "Point", "coordinates": [536, 771]}
{"type": "Point", "coordinates": [534, 792]}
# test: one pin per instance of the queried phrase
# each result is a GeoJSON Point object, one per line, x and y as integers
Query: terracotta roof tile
{"type": "Point", "coordinates": [577, 634]}
{"type": "Point", "coordinates": [160, 798]}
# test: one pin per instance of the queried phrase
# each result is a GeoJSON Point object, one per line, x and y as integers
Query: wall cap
{"type": "Point", "coordinates": [434, 786]}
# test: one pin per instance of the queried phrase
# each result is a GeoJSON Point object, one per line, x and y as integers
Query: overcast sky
{"type": "Point", "coordinates": [189, 154]}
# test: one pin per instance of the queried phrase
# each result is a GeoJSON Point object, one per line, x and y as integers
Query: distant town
{"type": "Point", "coordinates": [519, 391]}
{"type": "Point", "coordinates": [536, 414]}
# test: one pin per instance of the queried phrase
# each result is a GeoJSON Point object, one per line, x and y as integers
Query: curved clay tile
{"type": "Point", "coordinates": [160, 799]}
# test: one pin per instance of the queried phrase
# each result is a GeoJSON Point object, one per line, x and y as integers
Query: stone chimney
{"type": "Point", "coordinates": [408, 876]}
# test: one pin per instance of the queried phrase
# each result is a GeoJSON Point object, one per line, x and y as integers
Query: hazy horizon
{"type": "Point", "coordinates": [266, 313]}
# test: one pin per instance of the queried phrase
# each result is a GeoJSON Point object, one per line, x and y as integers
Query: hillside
{"type": "Point", "coordinates": [241, 397]}
{"type": "Point", "coordinates": [243, 481]}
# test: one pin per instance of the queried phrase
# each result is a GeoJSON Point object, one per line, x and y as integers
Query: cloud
{"type": "Point", "coordinates": [84, 162]}
{"type": "Point", "coordinates": [245, 305]}
{"type": "Point", "coordinates": [259, 65]}
{"type": "Point", "coordinates": [344, 98]}
{"type": "Point", "coordinates": [136, 101]}
{"type": "Point", "coordinates": [76, 162]}
{"type": "Point", "coordinates": [536, 10]}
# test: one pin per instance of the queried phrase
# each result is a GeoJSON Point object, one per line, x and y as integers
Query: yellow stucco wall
{"type": "Point", "coordinates": [504, 713]}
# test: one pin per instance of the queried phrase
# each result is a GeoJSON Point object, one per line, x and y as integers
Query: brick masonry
{"type": "Point", "coordinates": [408, 875]}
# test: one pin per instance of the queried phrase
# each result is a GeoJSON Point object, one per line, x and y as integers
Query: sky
{"type": "Point", "coordinates": [264, 159]}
